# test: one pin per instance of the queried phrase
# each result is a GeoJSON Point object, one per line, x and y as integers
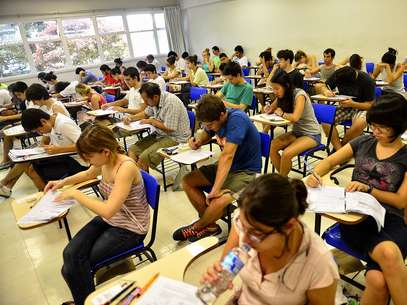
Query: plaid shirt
{"type": "Point", "coordinates": [171, 111]}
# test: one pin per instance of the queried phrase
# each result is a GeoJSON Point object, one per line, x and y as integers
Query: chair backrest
{"type": "Point", "coordinates": [210, 77]}
{"type": "Point", "coordinates": [196, 92]}
{"type": "Point", "coordinates": [253, 106]}
{"type": "Point", "coordinates": [246, 71]}
{"type": "Point", "coordinates": [325, 114]}
{"type": "Point", "coordinates": [152, 189]}
{"type": "Point", "coordinates": [321, 62]}
{"type": "Point", "coordinates": [378, 91]}
{"type": "Point", "coordinates": [405, 80]}
{"type": "Point", "coordinates": [191, 117]}
{"type": "Point", "coordinates": [248, 80]}
{"type": "Point", "coordinates": [109, 98]}
{"type": "Point", "coordinates": [163, 68]}
{"type": "Point", "coordinates": [369, 67]}
{"type": "Point", "coordinates": [265, 142]}
{"type": "Point", "coordinates": [100, 78]}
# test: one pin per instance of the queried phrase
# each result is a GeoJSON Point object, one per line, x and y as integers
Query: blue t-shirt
{"type": "Point", "coordinates": [89, 77]}
{"type": "Point", "coordinates": [239, 130]}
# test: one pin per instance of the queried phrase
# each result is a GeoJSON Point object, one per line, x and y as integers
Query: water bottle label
{"type": "Point", "coordinates": [232, 263]}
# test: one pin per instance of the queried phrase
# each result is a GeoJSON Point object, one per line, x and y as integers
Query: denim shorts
{"type": "Point", "coordinates": [315, 137]}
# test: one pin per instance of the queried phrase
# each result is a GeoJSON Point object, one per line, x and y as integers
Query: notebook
{"type": "Point", "coordinates": [272, 117]}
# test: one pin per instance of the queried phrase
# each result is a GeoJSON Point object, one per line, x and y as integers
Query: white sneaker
{"type": "Point", "coordinates": [5, 191]}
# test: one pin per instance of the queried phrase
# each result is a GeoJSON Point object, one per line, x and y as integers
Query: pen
{"type": "Point", "coordinates": [125, 287]}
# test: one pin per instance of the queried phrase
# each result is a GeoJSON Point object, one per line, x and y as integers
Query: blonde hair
{"type": "Point", "coordinates": [82, 89]}
{"type": "Point", "coordinates": [95, 138]}
{"type": "Point", "coordinates": [206, 51]}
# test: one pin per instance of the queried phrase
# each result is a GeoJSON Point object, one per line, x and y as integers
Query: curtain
{"type": "Point", "coordinates": [173, 23]}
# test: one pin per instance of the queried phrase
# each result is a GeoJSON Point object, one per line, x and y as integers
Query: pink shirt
{"type": "Point", "coordinates": [313, 267]}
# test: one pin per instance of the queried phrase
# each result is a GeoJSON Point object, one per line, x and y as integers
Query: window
{"type": "Point", "coordinates": [13, 60]}
{"type": "Point", "coordinates": [113, 38]}
{"type": "Point", "coordinates": [67, 42]}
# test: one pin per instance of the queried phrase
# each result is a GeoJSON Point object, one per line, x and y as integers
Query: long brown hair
{"type": "Point", "coordinates": [95, 138]}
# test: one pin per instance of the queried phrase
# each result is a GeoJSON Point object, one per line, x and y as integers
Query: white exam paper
{"type": "Point", "coordinates": [191, 156]}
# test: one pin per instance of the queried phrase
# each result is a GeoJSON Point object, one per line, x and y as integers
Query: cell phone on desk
{"type": "Point", "coordinates": [171, 150]}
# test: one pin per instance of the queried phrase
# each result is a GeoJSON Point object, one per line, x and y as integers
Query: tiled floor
{"type": "Point", "coordinates": [31, 260]}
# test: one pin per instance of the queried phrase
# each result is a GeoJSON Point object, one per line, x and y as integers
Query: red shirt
{"type": "Point", "coordinates": [109, 80]}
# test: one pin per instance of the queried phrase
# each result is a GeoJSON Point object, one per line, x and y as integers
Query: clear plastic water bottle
{"type": "Point", "coordinates": [231, 264]}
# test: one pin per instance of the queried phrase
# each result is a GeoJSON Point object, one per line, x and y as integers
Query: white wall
{"type": "Point", "coordinates": [367, 27]}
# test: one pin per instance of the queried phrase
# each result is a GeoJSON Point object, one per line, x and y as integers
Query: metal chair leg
{"type": "Point", "coordinates": [68, 231]}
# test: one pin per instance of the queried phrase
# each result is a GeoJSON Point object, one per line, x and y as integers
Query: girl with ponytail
{"type": "Point", "coordinates": [122, 217]}
{"type": "Point", "coordinates": [289, 264]}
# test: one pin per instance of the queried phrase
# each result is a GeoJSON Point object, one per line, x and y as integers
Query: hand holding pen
{"type": "Point", "coordinates": [313, 180]}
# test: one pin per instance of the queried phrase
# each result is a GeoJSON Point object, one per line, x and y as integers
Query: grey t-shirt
{"type": "Point", "coordinates": [307, 124]}
{"type": "Point", "coordinates": [385, 175]}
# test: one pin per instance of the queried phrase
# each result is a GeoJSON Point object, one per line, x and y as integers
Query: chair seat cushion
{"type": "Point", "coordinates": [333, 237]}
{"type": "Point", "coordinates": [312, 150]}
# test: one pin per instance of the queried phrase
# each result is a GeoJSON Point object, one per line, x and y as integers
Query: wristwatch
{"type": "Point", "coordinates": [369, 190]}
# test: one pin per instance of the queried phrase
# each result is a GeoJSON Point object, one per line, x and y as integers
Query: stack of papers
{"type": "Point", "coordinates": [46, 209]}
{"type": "Point", "coordinates": [331, 199]}
{"type": "Point", "coordinates": [191, 156]}
{"type": "Point", "coordinates": [135, 126]}
{"type": "Point", "coordinates": [272, 117]}
{"type": "Point", "coordinates": [404, 136]}
{"type": "Point", "coordinates": [27, 152]}
{"type": "Point", "coordinates": [170, 292]}
{"type": "Point", "coordinates": [15, 130]}
{"type": "Point", "coordinates": [336, 98]}
{"type": "Point", "coordinates": [101, 112]}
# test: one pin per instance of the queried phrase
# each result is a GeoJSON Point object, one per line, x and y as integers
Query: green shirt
{"type": "Point", "coordinates": [199, 77]}
{"type": "Point", "coordinates": [238, 94]}
{"type": "Point", "coordinates": [3, 86]}
{"type": "Point", "coordinates": [216, 61]}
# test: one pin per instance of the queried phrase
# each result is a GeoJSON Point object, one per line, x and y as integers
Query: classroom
{"type": "Point", "coordinates": [203, 152]}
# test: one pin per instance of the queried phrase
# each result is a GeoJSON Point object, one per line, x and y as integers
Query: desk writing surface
{"type": "Point", "coordinates": [263, 90]}
{"type": "Point", "coordinates": [179, 82]}
{"type": "Point", "coordinates": [38, 157]}
{"type": "Point", "coordinates": [15, 131]}
{"type": "Point", "coordinates": [336, 98]}
{"type": "Point", "coordinates": [260, 119]}
{"type": "Point", "coordinates": [173, 265]}
{"type": "Point", "coordinates": [254, 77]}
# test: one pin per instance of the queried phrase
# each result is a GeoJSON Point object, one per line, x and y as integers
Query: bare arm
{"type": "Point", "coordinates": [224, 165]}
{"type": "Point", "coordinates": [322, 296]}
{"type": "Point", "coordinates": [241, 106]}
{"type": "Point", "coordinates": [298, 110]}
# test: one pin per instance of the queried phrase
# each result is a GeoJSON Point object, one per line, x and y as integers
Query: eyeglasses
{"type": "Point", "coordinates": [381, 129]}
{"type": "Point", "coordinates": [253, 235]}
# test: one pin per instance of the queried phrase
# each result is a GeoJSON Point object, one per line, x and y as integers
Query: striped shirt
{"type": "Point", "coordinates": [134, 214]}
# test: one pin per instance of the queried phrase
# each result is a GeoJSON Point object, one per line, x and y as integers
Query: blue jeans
{"type": "Point", "coordinates": [95, 242]}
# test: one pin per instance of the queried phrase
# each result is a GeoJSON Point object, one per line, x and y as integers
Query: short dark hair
{"type": "Point", "coordinates": [345, 75]}
{"type": "Point", "coordinates": [116, 70]}
{"type": "Point", "coordinates": [41, 75]}
{"type": "Point", "coordinates": [266, 55]}
{"type": "Point", "coordinates": [60, 86]}
{"type": "Point", "coordinates": [390, 57]}
{"type": "Point", "coordinates": [286, 55]}
{"type": "Point", "coordinates": [141, 64]}
{"type": "Point", "coordinates": [222, 66]}
{"type": "Point", "coordinates": [209, 108]}
{"type": "Point", "coordinates": [118, 61]}
{"type": "Point", "coordinates": [150, 57]}
{"type": "Point", "coordinates": [171, 60]}
{"type": "Point", "coordinates": [172, 53]}
{"type": "Point", "coordinates": [150, 68]}
{"type": "Point", "coordinates": [18, 87]}
{"type": "Point", "coordinates": [330, 51]}
{"type": "Point", "coordinates": [239, 49]}
{"type": "Point", "coordinates": [193, 59]}
{"type": "Point", "coordinates": [222, 55]}
{"type": "Point", "coordinates": [233, 69]}
{"type": "Point", "coordinates": [215, 48]}
{"type": "Point", "coordinates": [31, 118]}
{"type": "Point", "coordinates": [389, 110]}
{"type": "Point", "coordinates": [286, 103]}
{"type": "Point", "coordinates": [150, 89]}
{"type": "Point", "coordinates": [184, 55]}
{"type": "Point", "coordinates": [104, 68]}
{"type": "Point", "coordinates": [36, 92]}
{"type": "Point", "coordinates": [289, 200]}
{"type": "Point", "coordinates": [299, 54]}
{"type": "Point", "coordinates": [78, 70]}
{"type": "Point", "coordinates": [132, 72]}
{"type": "Point", "coordinates": [50, 76]}
{"type": "Point", "coordinates": [355, 61]}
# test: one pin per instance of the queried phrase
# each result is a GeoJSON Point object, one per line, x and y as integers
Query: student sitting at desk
{"type": "Point", "coordinates": [238, 164]}
{"type": "Point", "coordinates": [286, 58]}
{"type": "Point", "coordinates": [65, 90]}
{"type": "Point", "coordinates": [235, 93]}
{"type": "Point", "coordinates": [118, 63]}
{"type": "Point", "coordinates": [132, 100]}
{"type": "Point", "coordinates": [94, 100]}
{"type": "Point", "coordinates": [288, 263]}
{"type": "Point", "coordinates": [51, 80]}
{"type": "Point", "coordinates": [265, 67]}
{"type": "Point", "coordinates": [196, 75]}
{"type": "Point", "coordinates": [353, 83]}
{"type": "Point", "coordinates": [41, 77]}
{"type": "Point", "coordinates": [108, 79]}
{"type": "Point", "coordinates": [85, 76]}
{"type": "Point", "coordinates": [304, 62]}
{"type": "Point", "coordinates": [153, 77]}
{"type": "Point", "coordinates": [172, 70]}
{"type": "Point", "coordinates": [39, 95]}
{"type": "Point", "coordinates": [123, 217]}
{"type": "Point", "coordinates": [60, 135]}
{"type": "Point", "coordinates": [151, 60]}
{"type": "Point", "coordinates": [117, 74]}
{"type": "Point", "coordinates": [239, 57]}
{"type": "Point", "coordinates": [181, 63]}
{"type": "Point", "coordinates": [216, 58]}
{"type": "Point", "coordinates": [327, 68]}
{"type": "Point", "coordinates": [207, 62]}
{"type": "Point", "coordinates": [167, 114]}
{"type": "Point", "coordinates": [224, 59]}
{"type": "Point", "coordinates": [294, 105]}
{"type": "Point", "coordinates": [381, 170]}
{"type": "Point", "coordinates": [391, 72]}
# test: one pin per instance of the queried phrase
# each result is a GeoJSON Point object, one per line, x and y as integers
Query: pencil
{"type": "Point", "coordinates": [150, 282]}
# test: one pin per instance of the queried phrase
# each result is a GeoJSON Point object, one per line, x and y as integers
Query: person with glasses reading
{"type": "Point", "coordinates": [380, 170]}
{"type": "Point", "coordinates": [288, 263]}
